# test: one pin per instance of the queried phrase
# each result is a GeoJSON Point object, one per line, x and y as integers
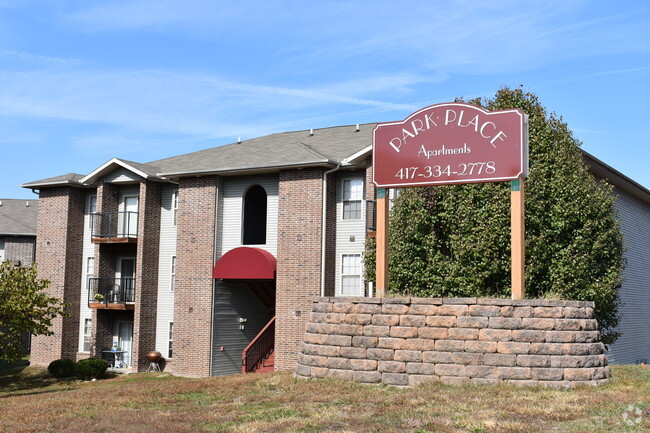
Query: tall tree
{"type": "Point", "coordinates": [24, 307]}
{"type": "Point", "coordinates": [454, 240]}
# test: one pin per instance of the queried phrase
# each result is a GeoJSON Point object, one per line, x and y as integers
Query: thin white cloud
{"type": "Point", "coordinates": [162, 101]}
{"type": "Point", "coordinates": [36, 59]}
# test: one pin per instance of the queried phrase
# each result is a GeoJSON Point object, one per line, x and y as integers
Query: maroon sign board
{"type": "Point", "coordinates": [451, 143]}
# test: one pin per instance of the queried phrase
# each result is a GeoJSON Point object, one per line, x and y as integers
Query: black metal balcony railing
{"type": "Point", "coordinates": [111, 290]}
{"type": "Point", "coordinates": [114, 225]}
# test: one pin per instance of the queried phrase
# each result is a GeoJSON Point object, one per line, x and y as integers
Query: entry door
{"type": "Point", "coordinates": [130, 220]}
{"type": "Point", "coordinates": [125, 341]}
{"type": "Point", "coordinates": [126, 278]}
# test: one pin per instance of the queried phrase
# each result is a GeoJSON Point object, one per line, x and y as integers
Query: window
{"type": "Point", "coordinates": [352, 193]}
{"type": "Point", "coordinates": [173, 275]}
{"type": "Point", "coordinates": [90, 269]}
{"type": "Point", "coordinates": [351, 274]}
{"type": "Point", "coordinates": [175, 207]}
{"type": "Point", "coordinates": [88, 329]}
{"type": "Point", "coordinates": [254, 221]}
{"type": "Point", "coordinates": [92, 209]}
{"type": "Point", "coordinates": [171, 339]}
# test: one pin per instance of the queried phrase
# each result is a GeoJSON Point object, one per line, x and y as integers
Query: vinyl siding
{"type": "Point", "coordinates": [165, 311]}
{"type": "Point", "coordinates": [229, 218]}
{"type": "Point", "coordinates": [350, 234]}
{"type": "Point", "coordinates": [634, 344]}
{"type": "Point", "coordinates": [88, 251]}
{"type": "Point", "coordinates": [121, 175]}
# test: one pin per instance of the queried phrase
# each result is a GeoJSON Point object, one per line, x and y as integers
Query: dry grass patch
{"type": "Point", "coordinates": [33, 402]}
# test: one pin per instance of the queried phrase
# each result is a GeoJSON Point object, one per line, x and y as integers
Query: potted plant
{"type": "Point", "coordinates": [99, 297]}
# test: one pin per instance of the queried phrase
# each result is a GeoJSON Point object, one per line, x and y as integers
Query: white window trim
{"type": "Point", "coordinates": [90, 211]}
{"type": "Point", "coordinates": [359, 289]}
{"type": "Point", "coordinates": [360, 199]}
{"type": "Point", "coordinates": [87, 335]}
{"type": "Point", "coordinates": [175, 208]}
{"type": "Point", "coordinates": [90, 273]}
{"type": "Point", "coordinates": [170, 330]}
{"type": "Point", "coordinates": [172, 272]}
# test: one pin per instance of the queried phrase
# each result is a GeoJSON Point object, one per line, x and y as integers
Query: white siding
{"type": "Point", "coordinates": [350, 234]}
{"type": "Point", "coordinates": [122, 175]}
{"type": "Point", "coordinates": [229, 218]}
{"type": "Point", "coordinates": [165, 312]}
{"type": "Point", "coordinates": [634, 345]}
{"type": "Point", "coordinates": [128, 191]}
{"type": "Point", "coordinates": [88, 251]}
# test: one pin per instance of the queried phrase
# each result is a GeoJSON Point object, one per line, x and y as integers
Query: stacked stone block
{"type": "Point", "coordinates": [408, 341]}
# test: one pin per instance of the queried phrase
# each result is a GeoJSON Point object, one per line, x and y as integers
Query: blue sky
{"type": "Point", "coordinates": [84, 81]}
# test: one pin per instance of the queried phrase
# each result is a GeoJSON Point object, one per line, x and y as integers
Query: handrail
{"type": "Point", "coordinates": [261, 346]}
{"type": "Point", "coordinates": [114, 224]}
{"type": "Point", "coordinates": [111, 290]}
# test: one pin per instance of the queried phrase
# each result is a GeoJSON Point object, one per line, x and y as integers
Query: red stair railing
{"type": "Point", "coordinates": [258, 349]}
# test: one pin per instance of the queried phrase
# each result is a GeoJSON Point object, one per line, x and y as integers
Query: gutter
{"type": "Point", "coordinates": [324, 230]}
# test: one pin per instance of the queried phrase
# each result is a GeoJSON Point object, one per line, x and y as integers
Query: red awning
{"type": "Point", "coordinates": [246, 263]}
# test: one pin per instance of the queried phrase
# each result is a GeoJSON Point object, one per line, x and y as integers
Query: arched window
{"type": "Point", "coordinates": [254, 224]}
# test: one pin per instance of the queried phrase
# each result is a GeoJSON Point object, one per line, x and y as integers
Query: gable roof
{"type": "Point", "coordinates": [71, 179]}
{"type": "Point", "coordinates": [18, 217]}
{"type": "Point", "coordinates": [324, 147]}
{"type": "Point", "coordinates": [318, 147]}
{"type": "Point", "coordinates": [143, 170]}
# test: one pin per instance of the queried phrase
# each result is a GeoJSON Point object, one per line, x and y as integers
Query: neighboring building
{"type": "Point", "coordinates": [194, 255]}
{"type": "Point", "coordinates": [633, 207]}
{"type": "Point", "coordinates": [18, 230]}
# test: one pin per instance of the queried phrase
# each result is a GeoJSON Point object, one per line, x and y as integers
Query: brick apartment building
{"type": "Point", "coordinates": [18, 230]}
{"type": "Point", "coordinates": [193, 256]}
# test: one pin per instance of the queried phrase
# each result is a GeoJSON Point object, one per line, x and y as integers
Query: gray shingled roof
{"type": "Point", "coordinates": [325, 146]}
{"type": "Point", "coordinates": [64, 179]}
{"type": "Point", "coordinates": [17, 218]}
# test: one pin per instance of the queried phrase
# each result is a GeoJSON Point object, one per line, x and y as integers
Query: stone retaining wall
{"type": "Point", "coordinates": [408, 341]}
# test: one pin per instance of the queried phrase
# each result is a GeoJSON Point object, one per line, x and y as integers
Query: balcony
{"type": "Point", "coordinates": [111, 293]}
{"type": "Point", "coordinates": [114, 227]}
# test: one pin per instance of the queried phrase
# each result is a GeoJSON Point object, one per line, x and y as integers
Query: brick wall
{"type": "Point", "coordinates": [408, 341]}
{"type": "Point", "coordinates": [59, 251]}
{"type": "Point", "coordinates": [146, 279]}
{"type": "Point", "coordinates": [20, 248]}
{"type": "Point", "coordinates": [194, 284]}
{"type": "Point", "coordinates": [299, 258]}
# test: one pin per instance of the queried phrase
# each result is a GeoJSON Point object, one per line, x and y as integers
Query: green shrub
{"type": "Point", "coordinates": [92, 368]}
{"type": "Point", "coordinates": [61, 368]}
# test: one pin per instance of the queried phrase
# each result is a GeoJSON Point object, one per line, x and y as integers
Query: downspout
{"type": "Point", "coordinates": [324, 229]}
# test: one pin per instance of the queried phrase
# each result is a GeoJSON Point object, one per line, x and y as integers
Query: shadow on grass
{"type": "Point", "coordinates": [22, 379]}
{"type": "Point", "coordinates": [7, 367]}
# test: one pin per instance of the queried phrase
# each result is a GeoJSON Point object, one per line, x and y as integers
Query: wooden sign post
{"type": "Point", "coordinates": [517, 238]}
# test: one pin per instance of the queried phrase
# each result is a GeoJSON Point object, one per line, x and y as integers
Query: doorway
{"type": "Point", "coordinates": [124, 333]}
{"type": "Point", "coordinates": [129, 224]}
{"type": "Point", "coordinates": [125, 277]}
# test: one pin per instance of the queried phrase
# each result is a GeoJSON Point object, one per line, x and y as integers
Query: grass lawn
{"type": "Point", "coordinates": [32, 401]}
